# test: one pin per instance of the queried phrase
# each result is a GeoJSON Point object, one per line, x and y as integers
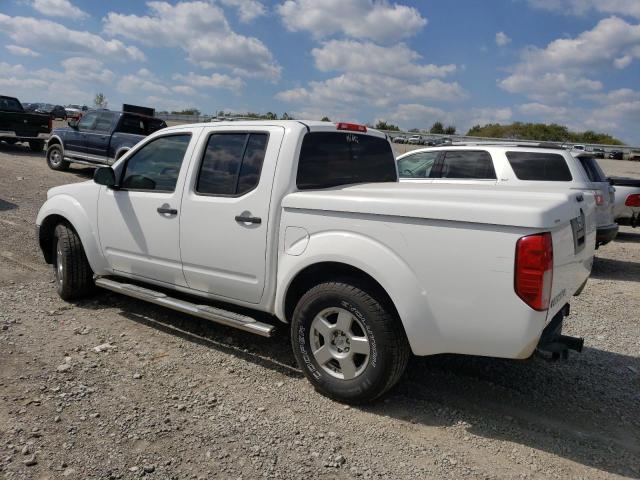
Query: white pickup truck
{"type": "Point", "coordinates": [307, 222]}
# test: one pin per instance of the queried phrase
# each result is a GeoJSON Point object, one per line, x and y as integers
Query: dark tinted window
{"type": "Point", "coordinates": [139, 125]}
{"type": "Point", "coordinates": [329, 159]}
{"type": "Point", "coordinates": [103, 124]}
{"type": "Point", "coordinates": [232, 163]}
{"type": "Point", "coordinates": [157, 164]}
{"type": "Point", "coordinates": [418, 165]}
{"type": "Point", "coordinates": [468, 164]}
{"type": "Point", "coordinates": [594, 172]}
{"type": "Point", "coordinates": [10, 104]}
{"type": "Point", "coordinates": [550, 167]}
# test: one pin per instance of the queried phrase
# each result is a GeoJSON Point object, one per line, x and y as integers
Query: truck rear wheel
{"type": "Point", "coordinates": [348, 342]}
{"type": "Point", "coordinates": [55, 158]}
{"type": "Point", "coordinates": [74, 277]}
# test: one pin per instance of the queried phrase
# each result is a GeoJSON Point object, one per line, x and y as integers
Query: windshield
{"type": "Point", "coordinates": [330, 159]}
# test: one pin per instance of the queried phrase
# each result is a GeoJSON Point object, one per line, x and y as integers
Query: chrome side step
{"type": "Point", "coordinates": [223, 317]}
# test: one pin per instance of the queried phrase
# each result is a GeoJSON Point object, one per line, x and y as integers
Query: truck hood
{"type": "Point", "coordinates": [540, 209]}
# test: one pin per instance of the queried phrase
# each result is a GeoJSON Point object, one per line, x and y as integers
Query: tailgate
{"type": "Point", "coordinates": [573, 249]}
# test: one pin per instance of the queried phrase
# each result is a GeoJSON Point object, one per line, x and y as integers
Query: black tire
{"type": "Point", "coordinates": [55, 158]}
{"type": "Point", "coordinates": [388, 346]}
{"type": "Point", "coordinates": [36, 145]}
{"type": "Point", "coordinates": [74, 277]}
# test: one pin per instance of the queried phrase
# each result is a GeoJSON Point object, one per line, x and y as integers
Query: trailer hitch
{"type": "Point", "coordinates": [553, 345]}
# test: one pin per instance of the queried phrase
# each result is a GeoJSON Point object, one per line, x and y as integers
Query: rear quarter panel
{"type": "Point", "coordinates": [451, 282]}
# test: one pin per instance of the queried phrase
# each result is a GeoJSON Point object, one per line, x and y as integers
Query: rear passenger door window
{"type": "Point", "coordinates": [231, 164]}
{"type": "Point", "coordinates": [466, 166]}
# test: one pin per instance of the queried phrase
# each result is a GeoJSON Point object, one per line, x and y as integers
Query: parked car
{"type": "Point", "coordinates": [579, 148]}
{"type": "Point", "coordinates": [415, 140]}
{"type": "Point", "coordinates": [400, 139]}
{"type": "Point", "coordinates": [616, 155]}
{"type": "Point", "coordinates": [626, 209]}
{"type": "Point", "coordinates": [54, 111]}
{"type": "Point", "coordinates": [74, 113]}
{"type": "Point", "coordinates": [16, 125]}
{"type": "Point", "coordinates": [292, 219]}
{"type": "Point", "coordinates": [514, 166]}
{"type": "Point", "coordinates": [99, 138]}
{"type": "Point", "coordinates": [598, 153]}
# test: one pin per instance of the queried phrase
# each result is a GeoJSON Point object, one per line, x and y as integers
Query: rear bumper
{"type": "Point", "coordinates": [605, 234]}
{"type": "Point", "coordinates": [8, 134]}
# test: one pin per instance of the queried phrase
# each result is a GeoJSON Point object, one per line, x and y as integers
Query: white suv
{"type": "Point", "coordinates": [513, 165]}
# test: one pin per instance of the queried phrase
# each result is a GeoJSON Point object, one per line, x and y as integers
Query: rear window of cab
{"type": "Point", "coordinates": [331, 159]}
{"type": "Point", "coordinates": [539, 166]}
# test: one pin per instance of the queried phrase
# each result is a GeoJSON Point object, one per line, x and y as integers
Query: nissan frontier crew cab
{"type": "Point", "coordinates": [307, 222]}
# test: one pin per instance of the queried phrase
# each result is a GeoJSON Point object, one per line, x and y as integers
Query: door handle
{"type": "Point", "coordinates": [247, 219]}
{"type": "Point", "coordinates": [167, 210]}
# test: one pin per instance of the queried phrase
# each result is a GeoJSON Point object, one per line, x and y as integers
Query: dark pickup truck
{"type": "Point", "coordinates": [17, 125]}
{"type": "Point", "coordinates": [99, 138]}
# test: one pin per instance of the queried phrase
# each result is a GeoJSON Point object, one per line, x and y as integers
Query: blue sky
{"type": "Point", "coordinates": [464, 62]}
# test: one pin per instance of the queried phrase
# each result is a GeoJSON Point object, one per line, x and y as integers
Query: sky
{"type": "Point", "coordinates": [410, 62]}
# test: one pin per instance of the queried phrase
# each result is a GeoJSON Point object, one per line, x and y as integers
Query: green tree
{"type": "Point", "coordinates": [325, 119]}
{"type": "Point", "coordinates": [286, 116]}
{"type": "Point", "coordinates": [382, 125]}
{"type": "Point", "coordinates": [100, 101]}
{"type": "Point", "coordinates": [437, 128]}
{"type": "Point", "coordinates": [187, 111]}
{"type": "Point", "coordinates": [271, 116]}
{"type": "Point", "coordinates": [541, 132]}
{"type": "Point", "coordinates": [450, 130]}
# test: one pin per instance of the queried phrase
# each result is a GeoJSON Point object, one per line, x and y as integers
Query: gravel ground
{"type": "Point", "coordinates": [113, 388]}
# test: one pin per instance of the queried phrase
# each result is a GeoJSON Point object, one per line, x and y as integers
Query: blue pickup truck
{"type": "Point", "coordinates": [99, 138]}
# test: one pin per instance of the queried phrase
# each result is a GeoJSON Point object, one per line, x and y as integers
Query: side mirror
{"type": "Point", "coordinates": [105, 176]}
{"type": "Point", "coordinates": [73, 123]}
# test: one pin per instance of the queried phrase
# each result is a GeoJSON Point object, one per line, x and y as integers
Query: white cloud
{"type": "Point", "coordinates": [142, 82]}
{"type": "Point", "coordinates": [502, 39]}
{"type": "Point", "coordinates": [59, 8]}
{"type": "Point", "coordinates": [215, 80]}
{"type": "Point", "coordinates": [564, 66]}
{"type": "Point", "coordinates": [581, 7]}
{"type": "Point", "coordinates": [184, 90]}
{"type": "Point", "coordinates": [200, 29]}
{"type": "Point", "coordinates": [542, 110]}
{"type": "Point", "coordinates": [355, 56]}
{"type": "Point", "coordinates": [21, 51]}
{"type": "Point", "coordinates": [621, 95]}
{"type": "Point", "coordinates": [361, 19]}
{"type": "Point", "coordinates": [248, 10]}
{"type": "Point", "coordinates": [360, 90]}
{"type": "Point", "coordinates": [46, 35]}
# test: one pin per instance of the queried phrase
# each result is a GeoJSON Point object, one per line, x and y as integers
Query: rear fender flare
{"type": "Point", "coordinates": [376, 260]}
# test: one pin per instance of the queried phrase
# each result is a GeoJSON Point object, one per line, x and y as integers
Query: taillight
{"type": "Point", "coordinates": [633, 200]}
{"type": "Point", "coordinates": [534, 270]}
{"type": "Point", "coordinates": [352, 127]}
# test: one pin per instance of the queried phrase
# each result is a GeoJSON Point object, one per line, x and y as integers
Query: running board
{"type": "Point", "coordinates": [217, 315]}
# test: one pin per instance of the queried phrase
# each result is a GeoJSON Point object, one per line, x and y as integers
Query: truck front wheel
{"type": "Point", "coordinates": [55, 158]}
{"type": "Point", "coordinates": [74, 277]}
{"type": "Point", "coordinates": [348, 341]}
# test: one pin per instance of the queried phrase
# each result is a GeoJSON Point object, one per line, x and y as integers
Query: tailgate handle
{"type": "Point", "coordinates": [580, 198]}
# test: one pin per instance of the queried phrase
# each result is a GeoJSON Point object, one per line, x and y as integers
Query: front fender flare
{"type": "Point", "coordinates": [71, 210]}
{"type": "Point", "coordinates": [379, 262]}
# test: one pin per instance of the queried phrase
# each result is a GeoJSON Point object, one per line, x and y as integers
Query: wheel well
{"type": "Point", "coordinates": [320, 272]}
{"type": "Point", "coordinates": [46, 233]}
{"type": "Point", "coordinates": [53, 141]}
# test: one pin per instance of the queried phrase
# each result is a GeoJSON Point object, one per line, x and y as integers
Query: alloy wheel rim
{"type": "Point", "coordinates": [55, 157]}
{"type": "Point", "coordinates": [340, 343]}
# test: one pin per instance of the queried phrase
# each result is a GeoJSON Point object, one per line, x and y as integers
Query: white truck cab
{"type": "Point", "coordinates": [307, 222]}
